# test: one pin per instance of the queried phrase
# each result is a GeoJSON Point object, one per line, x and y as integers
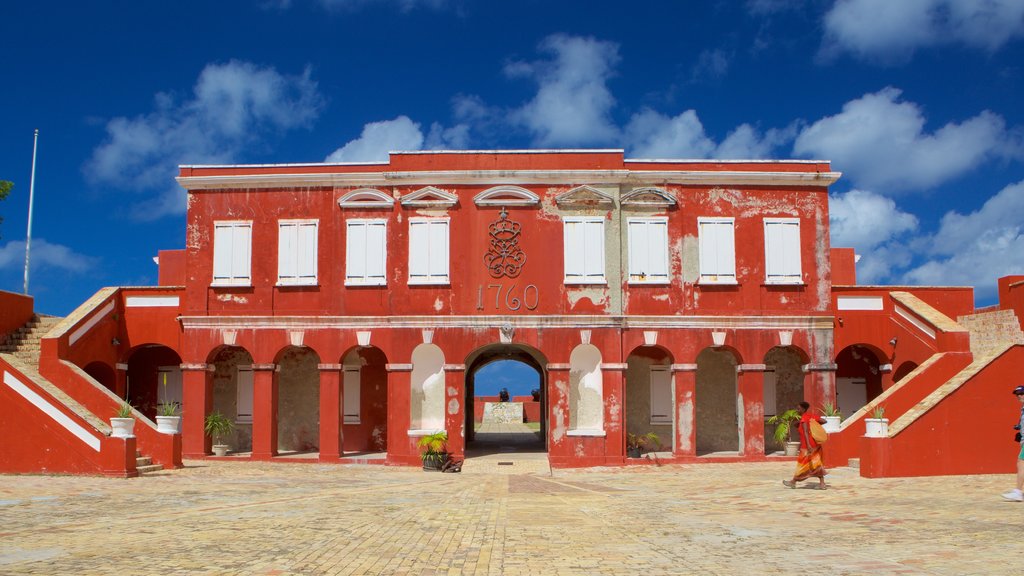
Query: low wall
{"type": "Point", "coordinates": [15, 311]}
{"type": "Point", "coordinates": [531, 408]}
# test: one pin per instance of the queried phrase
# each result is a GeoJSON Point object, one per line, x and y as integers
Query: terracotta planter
{"type": "Point", "coordinates": [831, 424]}
{"type": "Point", "coordinates": [168, 424]}
{"type": "Point", "coordinates": [122, 427]}
{"type": "Point", "coordinates": [876, 427]}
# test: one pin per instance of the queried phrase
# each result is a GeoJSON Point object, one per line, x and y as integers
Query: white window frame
{"type": "Point", "coordinates": [365, 279]}
{"type": "Point", "coordinates": [709, 270]}
{"type": "Point", "coordinates": [232, 278]}
{"type": "Point", "coordinates": [432, 276]}
{"type": "Point", "coordinates": [243, 385]}
{"type": "Point", "coordinates": [639, 276]}
{"type": "Point", "coordinates": [300, 277]}
{"type": "Point", "coordinates": [772, 273]}
{"type": "Point", "coordinates": [587, 276]}
{"type": "Point", "coordinates": [656, 395]}
{"type": "Point", "coordinates": [352, 382]}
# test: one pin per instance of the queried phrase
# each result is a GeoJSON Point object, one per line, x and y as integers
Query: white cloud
{"type": "Point", "coordinates": [573, 104]}
{"type": "Point", "coordinates": [379, 138]}
{"type": "Point", "coordinates": [232, 106]}
{"type": "Point", "coordinates": [44, 255]}
{"type": "Point", "coordinates": [890, 31]}
{"type": "Point", "coordinates": [881, 144]}
{"type": "Point", "coordinates": [651, 134]}
{"type": "Point", "coordinates": [874, 226]}
{"type": "Point", "coordinates": [711, 64]}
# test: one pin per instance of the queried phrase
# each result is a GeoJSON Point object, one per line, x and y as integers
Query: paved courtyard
{"type": "Point", "coordinates": [496, 518]}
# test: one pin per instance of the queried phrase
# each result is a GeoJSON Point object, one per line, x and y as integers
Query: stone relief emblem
{"type": "Point", "coordinates": [505, 257]}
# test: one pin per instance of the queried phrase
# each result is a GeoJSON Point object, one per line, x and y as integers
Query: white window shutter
{"type": "Point", "coordinates": [419, 250]}
{"type": "Point", "coordinates": [241, 247]}
{"type": "Point", "coordinates": [306, 245]}
{"type": "Point", "coordinates": [287, 240]}
{"type": "Point", "coordinates": [661, 395]}
{"type": "Point", "coordinates": [657, 242]}
{"type": "Point", "coordinates": [439, 250]}
{"type": "Point", "coordinates": [244, 395]}
{"type": "Point", "coordinates": [782, 251]}
{"type": "Point", "coordinates": [222, 237]}
{"type": "Point", "coordinates": [375, 252]}
{"type": "Point", "coordinates": [717, 250]}
{"type": "Point", "coordinates": [355, 251]}
{"type": "Point", "coordinates": [573, 250]}
{"type": "Point", "coordinates": [593, 247]}
{"type": "Point", "coordinates": [648, 250]}
{"type": "Point", "coordinates": [637, 249]}
{"type": "Point", "coordinates": [351, 395]}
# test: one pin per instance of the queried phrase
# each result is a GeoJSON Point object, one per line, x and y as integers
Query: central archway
{"type": "Point", "coordinates": [534, 410]}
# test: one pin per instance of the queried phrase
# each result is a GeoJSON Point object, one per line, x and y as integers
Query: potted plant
{"type": "Point", "coordinates": [218, 426]}
{"type": "Point", "coordinates": [434, 450]}
{"type": "Point", "coordinates": [832, 417]}
{"type": "Point", "coordinates": [783, 425]}
{"type": "Point", "coordinates": [637, 444]}
{"type": "Point", "coordinates": [123, 423]}
{"type": "Point", "coordinates": [167, 420]}
{"type": "Point", "coordinates": [877, 426]}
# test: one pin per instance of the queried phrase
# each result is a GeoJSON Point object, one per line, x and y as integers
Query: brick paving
{"type": "Point", "coordinates": [216, 517]}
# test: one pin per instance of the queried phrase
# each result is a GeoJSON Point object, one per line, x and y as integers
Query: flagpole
{"type": "Point", "coordinates": [31, 195]}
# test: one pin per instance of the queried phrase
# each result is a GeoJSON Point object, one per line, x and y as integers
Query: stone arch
{"type": "Point", "coordinates": [153, 377]}
{"type": "Point", "coordinates": [233, 392]}
{"type": "Point", "coordinates": [426, 394]}
{"type": "Point", "coordinates": [102, 373]}
{"type": "Point", "coordinates": [298, 399]}
{"type": "Point", "coordinates": [365, 411]}
{"type": "Point", "coordinates": [489, 354]}
{"type": "Point", "coordinates": [902, 370]}
{"type": "Point", "coordinates": [586, 390]}
{"type": "Point", "coordinates": [650, 396]}
{"type": "Point", "coordinates": [858, 377]}
{"type": "Point", "coordinates": [715, 397]}
{"type": "Point", "coordinates": [783, 384]}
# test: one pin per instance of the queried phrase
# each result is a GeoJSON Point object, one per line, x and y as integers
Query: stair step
{"type": "Point", "coordinates": [142, 461]}
{"type": "Point", "coordinates": [854, 463]}
{"type": "Point", "coordinates": [149, 468]}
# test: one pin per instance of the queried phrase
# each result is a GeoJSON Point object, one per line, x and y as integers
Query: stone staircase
{"type": "Point", "coordinates": [144, 464]}
{"type": "Point", "coordinates": [992, 330]}
{"type": "Point", "coordinates": [23, 343]}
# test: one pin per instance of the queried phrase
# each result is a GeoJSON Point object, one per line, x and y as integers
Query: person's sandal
{"type": "Point", "coordinates": [789, 484]}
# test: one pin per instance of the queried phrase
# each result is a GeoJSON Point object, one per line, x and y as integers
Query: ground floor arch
{"type": "Point", "coordinates": [298, 399]}
{"type": "Point", "coordinates": [364, 417]}
{"type": "Point", "coordinates": [153, 378]}
{"type": "Point", "coordinates": [482, 367]}
{"type": "Point", "coordinates": [102, 373]}
{"type": "Point", "coordinates": [232, 382]}
{"type": "Point", "coordinates": [901, 372]}
{"type": "Point", "coordinates": [783, 386]}
{"type": "Point", "coordinates": [858, 378]}
{"type": "Point", "coordinates": [650, 398]}
{"type": "Point", "coordinates": [717, 413]}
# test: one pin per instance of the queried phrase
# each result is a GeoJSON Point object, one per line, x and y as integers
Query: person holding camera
{"type": "Point", "coordinates": [1016, 495]}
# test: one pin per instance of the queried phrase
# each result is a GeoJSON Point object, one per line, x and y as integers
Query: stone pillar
{"type": "Point", "coordinates": [196, 403]}
{"type": "Point", "coordinates": [750, 389]}
{"type": "Point", "coordinates": [455, 408]}
{"type": "Point", "coordinates": [684, 417]}
{"type": "Point", "coordinates": [614, 374]}
{"type": "Point", "coordinates": [332, 399]}
{"type": "Point", "coordinates": [120, 379]}
{"type": "Point", "coordinates": [400, 449]}
{"type": "Point", "coordinates": [820, 384]}
{"type": "Point", "coordinates": [264, 412]}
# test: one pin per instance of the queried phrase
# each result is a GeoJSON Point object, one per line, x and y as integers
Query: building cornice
{"type": "Point", "coordinates": [532, 321]}
{"type": "Point", "coordinates": [503, 177]}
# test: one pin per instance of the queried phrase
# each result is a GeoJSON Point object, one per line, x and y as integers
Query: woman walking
{"type": "Point", "coordinates": [809, 463]}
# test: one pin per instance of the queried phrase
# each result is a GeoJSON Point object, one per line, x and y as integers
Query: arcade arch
{"type": "Point", "coordinates": [858, 378]}
{"type": "Point", "coordinates": [365, 400]}
{"type": "Point", "coordinates": [650, 398]}
{"type": "Point", "coordinates": [153, 378]}
{"type": "Point", "coordinates": [716, 399]}
{"type": "Point", "coordinates": [486, 356]}
{"type": "Point", "coordinates": [783, 385]}
{"type": "Point", "coordinates": [298, 400]}
{"type": "Point", "coordinates": [233, 392]}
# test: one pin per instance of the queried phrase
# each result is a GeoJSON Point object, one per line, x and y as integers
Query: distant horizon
{"type": "Point", "coordinates": [518, 377]}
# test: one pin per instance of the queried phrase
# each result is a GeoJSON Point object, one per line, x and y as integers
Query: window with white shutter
{"type": "Point", "coordinates": [428, 251]}
{"type": "Point", "coordinates": [244, 395]}
{"type": "Point", "coordinates": [296, 252]}
{"type": "Point", "coordinates": [232, 253]}
{"type": "Point", "coordinates": [366, 252]}
{"type": "Point", "coordinates": [584, 250]}
{"type": "Point", "coordinates": [351, 400]}
{"type": "Point", "coordinates": [717, 250]}
{"type": "Point", "coordinates": [661, 395]}
{"type": "Point", "coordinates": [782, 251]}
{"type": "Point", "coordinates": [648, 250]}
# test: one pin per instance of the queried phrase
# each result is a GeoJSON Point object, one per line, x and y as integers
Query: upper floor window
{"type": "Point", "coordinates": [782, 251]}
{"type": "Point", "coordinates": [232, 253]}
{"type": "Point", "coordinates": [584, 250]}
{"type": "Point", "coordinates": [648, 250]}
{"type": "Point", "coordinates": [296, 252]}
{"type": "Point", "coordinates": [717, 250]}
{"type": "Point", "coordinates": [428, 251]}
{"type": "Point", "coordinates": [366, 252]}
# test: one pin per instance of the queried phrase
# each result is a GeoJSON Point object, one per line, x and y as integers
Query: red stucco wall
{"type": "Point", "coordinates": [15, 311]}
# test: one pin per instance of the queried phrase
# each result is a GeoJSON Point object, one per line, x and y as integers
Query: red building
{"type": "Point", "coordinates": [345, 309]}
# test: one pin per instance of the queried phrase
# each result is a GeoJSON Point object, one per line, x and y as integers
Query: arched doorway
{"type": "Point", "coordinates": [650, 401]}
{"type": "Point", "coordinates": [520, 369]}
{"type": "Point", "coordinates": [858, 378]}
{"type": "Point", "coordinates": [102, 373]}
{"type": "Point", "coordinates": [365, 418]}
{"type": "Point", "coordinates": [153, 379]}
{"type": "Point", "coordinates": [233, 393]}
{"type": "Point", "coordinates": [716, 402]}
{"type": "Point", "coordinates": [783, 386]}
{"type": "Point", "coordinates": [298, 400]}
{"type": "Point", "coordinates": [903, 369]}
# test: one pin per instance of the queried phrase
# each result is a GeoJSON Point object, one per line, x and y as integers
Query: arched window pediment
{"type": "Point", "coordinates": [584, 196]}
{"type": "Point", "coordinates": [648, 196]}
{"type": "Point", "coordinates": [429, 196]}
{"type": "Point", "coordinates": [506, 196]}
{"type": "Point", "coordinates": [366, 198]}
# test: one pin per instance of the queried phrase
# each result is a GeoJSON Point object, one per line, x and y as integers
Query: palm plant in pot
{"type": "Point", "coordinates": [637, 444]}
{"type": "Point", "coordinates": [434, 450]}
{"type": "Point", "coordinates": [218, 426]}
{"type": "Point", "coordinates": [123, 423]}
{"type": "Point", "coordinates": [832, 417]}
{"type": "Point", "coordinates": [783, 427]}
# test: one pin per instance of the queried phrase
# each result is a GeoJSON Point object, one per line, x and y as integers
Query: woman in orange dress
{"type": "Point", "coordinates": [809, 463]}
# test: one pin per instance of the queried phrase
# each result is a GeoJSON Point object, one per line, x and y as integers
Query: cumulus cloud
{"type": "Point", "coordinates": [44, 255]}
{"type": "Point", "coordinates": [651, 134]}
{"type": "Point", "coordinates": [876, 228]}
{"type": "Point", "coordinates": [881, 143]}
{"type": "Point", "coordinates": [889, 32]}
{"type": "Point", "coordinates": [232, 105]}
{"type": "Point", "coordinates": [400, 134]}
{"type": "Point", "coordinates": [573, 104]}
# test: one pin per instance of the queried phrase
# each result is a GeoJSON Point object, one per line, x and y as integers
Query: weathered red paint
{"type": "Point", "coordinates": [15, 311]}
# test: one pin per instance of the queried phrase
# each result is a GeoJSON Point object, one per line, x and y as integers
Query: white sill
{"type": "Point", "coordinates": [243, 421]}
{"type": "Point", "coordinates": [794, 283]}
{"type": "Point", "coordinates": [422, 432]}
{"type": "Point", "coordinates": [586, 432]}
{"type": "Point", "coordinates": [438, 282]}
{"type": "Point", "coordinates": [350, 420]}
{"type": "Point", "coordinates": [227, 284]}
{"type": "Point", "coordinates": [589, 282]}
{"type": "Point", "coordinates": [658, 282]}
{"type": "Point", "coordinates": [366, 283]}
{"type": "Point", "coordinates": [288, 284]}
{"type": "Point", "coordinates": [706, 282]}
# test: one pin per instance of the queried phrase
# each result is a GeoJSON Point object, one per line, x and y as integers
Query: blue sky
{"type": "Point", "coordinates": [917, 102]}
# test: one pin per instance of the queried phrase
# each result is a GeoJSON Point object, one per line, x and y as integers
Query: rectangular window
{"type": "Point", "coordinates": [768, 398]}
{"type": "Point", "coordinates": [244, 395]}
{"type": "Point", "coordinates": [717, 250]}
{"type": "Point", "coordinates": [584, 251]}
{"type": "Point", "coordinates": [661, 395]}
{"type": "Point", "coordinates": [782, 251]}
{"type": "Point", "coordinates": [648, 250]}
{"type": "Point", "coordinates": [351, 400]}
{"type": "Point", "coordinates": [296, 252]}
{"type": "Point", "coordinates": [168, 381]}
{"type": "Point", "coordinates": [366, 253]}
{"type": "Point", "coordinates": [428, 251]}
{"type": "Point", "coordinates": [232, 253]}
